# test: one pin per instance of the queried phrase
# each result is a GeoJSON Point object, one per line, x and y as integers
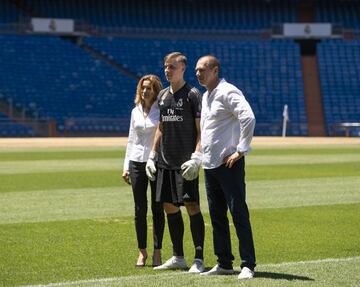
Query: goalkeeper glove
{"type": "Point", "coordinates": [190, 169]}
{"type": "Point", "coordinates": [150, 166]}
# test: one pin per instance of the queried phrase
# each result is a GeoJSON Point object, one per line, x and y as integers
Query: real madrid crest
{"type": "Point", "coordinates": [179, 103]}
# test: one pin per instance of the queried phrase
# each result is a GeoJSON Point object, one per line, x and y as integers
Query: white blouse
{"type": "Point", "coordinates": [141, 134]}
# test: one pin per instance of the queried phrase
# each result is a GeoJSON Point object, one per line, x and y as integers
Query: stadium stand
{"type": "Point", "coordinates": [8, 12]}
{"type": "Point", "coordinates": [90, 88]}
{"type": "Point", "coordinates": [163, 14]}
{"type": "Point", "coordinates": [9, 128]}
{"type": "Point", "coordinates": [339, 12]}
{"type": "Point", "coordinates": [55, 79]}
{"type": "Point", "coordinates": [339, 64]}
{"type": "Point", "coordinates": [268, 71]}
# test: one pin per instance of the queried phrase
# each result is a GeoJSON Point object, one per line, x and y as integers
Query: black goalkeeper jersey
{"type": "Point", "coordinates": [177, 115]}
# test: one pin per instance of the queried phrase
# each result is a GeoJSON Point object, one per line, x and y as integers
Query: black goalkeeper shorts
{"type": "Point", "coordinates": [173, 188]}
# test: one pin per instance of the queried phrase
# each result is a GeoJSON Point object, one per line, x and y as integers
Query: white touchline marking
{"type": "Point", "coordinates": [132, 277]}
{"type": "Point", "coordinates": [326, 260]}
{"type": "Point", "coordinates": [111, 279]}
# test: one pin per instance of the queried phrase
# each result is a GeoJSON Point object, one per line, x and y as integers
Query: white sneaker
{"type": "Point", "coordinates": [197, 267]}
{"type": "Point", "coordinates": [246, 273]}
{"type": "Point", "coordinates": [217, 270]}
{"type": "Point", "coordinates": [173, 263]}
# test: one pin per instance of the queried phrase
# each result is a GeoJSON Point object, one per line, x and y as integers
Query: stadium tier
{"type": "Point", "coordinates": [339, 12]}
{"type": "Point", "coordinates": [268, 71]}
{"type": "Point", "coordinates": [199, 14]}
{"type": "Point", "coordinates": [53, 78]}
{"type": "Point", "coordinates": [9, 128]}
{"type": "Point", "coordinates": [339, 65]}
{"type": "Point", "coordinates": [91, 88]}
{"type": "Point", "coordinates": [8, 12]}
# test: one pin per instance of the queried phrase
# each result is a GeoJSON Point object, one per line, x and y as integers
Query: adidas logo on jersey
{"type": "Point", "coordinates": [186, 196]}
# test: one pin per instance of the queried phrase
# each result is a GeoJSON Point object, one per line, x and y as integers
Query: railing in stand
{"type": "Point", "coordinates": [347, 129]}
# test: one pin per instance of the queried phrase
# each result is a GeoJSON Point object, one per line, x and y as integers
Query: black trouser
{"type": "Point", "coordinates": [139, 183]}
{"type": "Point", "coordinates": [225, 188]}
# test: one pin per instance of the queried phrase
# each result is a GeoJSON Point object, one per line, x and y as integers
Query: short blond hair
{"type": "Point", "coordinates": [180, 57]}
{"type": "Point", "coordinates": [156, 86]}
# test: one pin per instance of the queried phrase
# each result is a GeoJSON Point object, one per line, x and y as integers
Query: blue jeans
{"type": "Point", "coordinates": [225, 188]}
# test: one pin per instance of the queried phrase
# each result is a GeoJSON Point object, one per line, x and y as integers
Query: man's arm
{"type": "Point", "coordinates": [243, 112]}
{"type": "Point", "coordinates": [150, 164]}
{"type": "Point", "coordinates": [198, 135]}
{"type": "Point", "coordinates": [190, 169]}
{"type": "Point", "coordinates": [157, 138]}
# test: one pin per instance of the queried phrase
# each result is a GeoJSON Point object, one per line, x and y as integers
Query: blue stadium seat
{"type": "Point", "coordinates": [193, 15]}
{"type": "Point", "coordinates": [8, 12]}
{"type": "Point", "coordinates": [8, 128]}
{"type": "Point", "coordinates": [339, 66]}
{"type": "Point", "coordinates": [57, 80]}
{"type": "Point", "coordinates": [268, 72]}
{"type": "Point", "coordinates": [338, 12]}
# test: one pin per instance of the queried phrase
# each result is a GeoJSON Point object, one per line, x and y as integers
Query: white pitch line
{"type": "Point", "coordinates": [132, 277]}
{"type": "Point", "coordinates": [326, 260]}
{"type": "Point", "coordinates": [104, 280]}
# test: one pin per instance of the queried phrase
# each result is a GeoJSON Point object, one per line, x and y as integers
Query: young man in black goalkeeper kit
{"type": "Point", "coordinates": [177, 152]}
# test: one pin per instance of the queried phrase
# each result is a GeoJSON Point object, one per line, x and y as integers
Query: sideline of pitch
{"type": "Point", "coordinates": [64, 142]}
{"type": "Point", "coordinates": [162, 275]}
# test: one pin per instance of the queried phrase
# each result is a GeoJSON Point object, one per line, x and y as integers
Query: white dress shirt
{"type": "Point", "coordinates": [141, 134]}
{"type": "Point", "coordinates": [227, 124]}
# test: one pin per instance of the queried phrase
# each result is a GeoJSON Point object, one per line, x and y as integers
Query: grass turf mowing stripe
{"type": "Point", "coordinates": [305, 151]}
{"type": "Point", "coordinates": [58, 149]}
{"type": "Point", "coordinates": [302, 159]}
{"type": "Point", "coordinates": [76, 153]}
{"type": "Point", "coordinates": [60, 180]}
{"type": "Point", "coordinates": [72, 204]}
{"type": "Point", "coordinates": [48, 154]}
{"type": "Point", "coordinates": [55, 165]}
{"type": "Point", "coordinates": [107, 178]}
{"type": "Point", "coordinates": [77, 250]}
{"type": "Point", "coordinates": [46, 166]}
{"type": "Point", "coordinates": [303, 192]}
{"type": "Point", "coordinates": [261, 272]}
{"type": "Point", "coordinates": [66, 204]}
{"type": "Point", "coordinates": [274, 172]}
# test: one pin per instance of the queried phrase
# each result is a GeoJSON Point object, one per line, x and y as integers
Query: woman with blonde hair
{"type": "Point", "coordinates": [143, 123]}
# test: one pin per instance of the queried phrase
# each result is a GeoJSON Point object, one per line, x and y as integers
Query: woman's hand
{"type": "Point", "coordinates": [126, 176]}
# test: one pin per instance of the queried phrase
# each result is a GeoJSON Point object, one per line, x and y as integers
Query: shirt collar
{"type": "Point", "coordinates": [222, 81]}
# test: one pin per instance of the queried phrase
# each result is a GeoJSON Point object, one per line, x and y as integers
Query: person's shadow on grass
{"type": "Point", "coordinates": [281, 276]}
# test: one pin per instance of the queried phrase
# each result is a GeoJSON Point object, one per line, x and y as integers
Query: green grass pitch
{"type": "Point", "coordinates": [66, 219]}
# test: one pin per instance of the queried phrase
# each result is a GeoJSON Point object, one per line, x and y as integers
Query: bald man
{"type": "Point", "coordinates": [227, 127]}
